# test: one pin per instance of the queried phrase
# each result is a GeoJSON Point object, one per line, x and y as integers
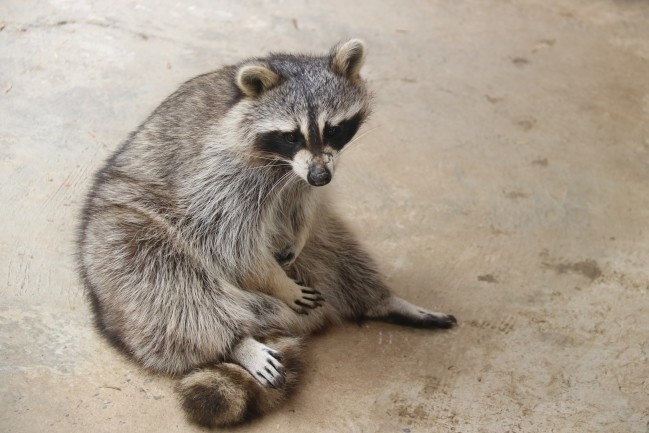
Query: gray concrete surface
{"type": "Point", "coordinates": [504, 178]}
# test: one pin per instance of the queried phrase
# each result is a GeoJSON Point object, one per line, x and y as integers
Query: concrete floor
{"type": "Point", "coordinates": [504, 178]}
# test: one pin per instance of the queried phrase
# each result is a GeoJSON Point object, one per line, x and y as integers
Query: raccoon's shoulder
{"type": "Point", "coordinates": [206, 96]}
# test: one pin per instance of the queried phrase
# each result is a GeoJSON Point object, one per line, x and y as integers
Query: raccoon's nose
{"type": "Point", "coordinates": [318, 175]}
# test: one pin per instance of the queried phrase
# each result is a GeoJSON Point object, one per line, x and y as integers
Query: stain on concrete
{"type": "Point", "coordinates": [494, 99]}
{"type": "Point", "coordinates": [497, 231]}
{"type": "Point", "coordinates": [543, 44]}
{"type": "Point", "coordinates": [541, 162]}
{"type": "Point", "coordinates": [515, 195]}
{"type": "Point", "coordinates": [487, 278]}
{"type": "Point", "coordinates": [526, 124]}
{"type": "Point", "coordinates": [505, 325]}
{"type": "Point", "coordinates": [403, 408]}
{"type": "Point", "coordinates": [520, 61]}
{"type": "Point", "coordinates": [588, 268]}
{"type": "Point", "coordinates": [432, 384]}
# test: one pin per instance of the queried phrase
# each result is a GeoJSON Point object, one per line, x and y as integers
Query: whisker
{"type": "Point", "coordinates": [280, 180]}
{"type": "Point", "coordinates": [268, 166]}
{"type": "Point", "coordinates": [261, 203]}
{"type": "Point", "coordinates": [291, 178]}
{"type": "Point", "coordinates": [265, 156]}
{"type": "Point", "coordinates": [356, 139]}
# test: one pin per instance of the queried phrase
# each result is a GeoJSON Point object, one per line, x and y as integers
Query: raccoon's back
{"type": "Point", "coordinates": [167, 143]}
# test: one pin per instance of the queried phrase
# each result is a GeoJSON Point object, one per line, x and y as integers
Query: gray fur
{"type": "Point", "coordinates": [182, 227]}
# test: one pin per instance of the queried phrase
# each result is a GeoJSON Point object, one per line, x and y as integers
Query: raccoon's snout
{"type": "Point", "coordinates": [318, 175]}
{"type": "Point", "coordinates": [316, 169]}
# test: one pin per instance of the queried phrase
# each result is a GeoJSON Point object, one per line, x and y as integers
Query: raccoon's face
{"type": "Point", "coordinates": [311, 147]}
{"type": "Point", "coordinates": [306, 109]}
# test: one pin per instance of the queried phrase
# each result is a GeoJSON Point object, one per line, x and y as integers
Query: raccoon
{"type": "Point", "coordinates": [208, 246]}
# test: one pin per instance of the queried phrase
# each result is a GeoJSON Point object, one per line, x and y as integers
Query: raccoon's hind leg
{"type": "Point", "coordinates": [226, 393]}
{"type": "Point", "coordinates": [401, 312]}
{"type": "Point", "coordinates": [334, 263]}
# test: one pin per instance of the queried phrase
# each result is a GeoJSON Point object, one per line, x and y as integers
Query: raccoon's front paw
{"type": "Point", "coordinates": [307, 300]}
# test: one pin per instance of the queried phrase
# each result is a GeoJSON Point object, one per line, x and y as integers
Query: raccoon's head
{"type": "Point", "coordinates": [301, 111]}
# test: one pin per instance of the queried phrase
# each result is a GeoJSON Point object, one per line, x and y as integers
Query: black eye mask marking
{"type": "Point", "coordinates": [283, 144]}
{"type": "Point", "coordinates": [337, 136]}
{"type": "Point", "coordinates": [287, 144]}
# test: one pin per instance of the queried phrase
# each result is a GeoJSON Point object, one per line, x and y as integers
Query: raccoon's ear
{"type": "Point", "coordinates": [347, 58]}
{"type": "Point", "coordinates": [255, 79]}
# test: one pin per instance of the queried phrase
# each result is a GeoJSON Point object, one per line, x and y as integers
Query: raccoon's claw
{"type": "Point", "coordinates": [278, 356]}
{"type": "Point", "coordinates": [311, 292]}
{"type": "Point", "coordinates": [310, 300]}
{"type": "Point", "coordinates": [261, 361]}
{"type": "Point", "coordinates": [274, 373]}
{"type": "Point", "coordinates": [434, 321]}
{"type": "Point", "coordinates": [270, 377]}
{"type": "Point", "coordinates": [313, 303]}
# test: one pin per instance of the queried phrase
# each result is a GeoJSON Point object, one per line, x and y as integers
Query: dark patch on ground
{"type": "Point", "coordinates": [515, 195]}
{"type": "Point", "coordinates": [588, 268]}
{"type": "Point", "coordinates": [505, 326]}
{"type": "Point", "coordinates": [487, 278]}
{"type": "Point", "coordinates": [542, 162]}
{"type": "Point", "coordinates": [543, 44]}
{"type": "Point", "coordinates": [496, 231]}
{"type": "Point", "coordinates": [526, 124]}
{"type": "Point", "coordinates": [494, 99]}
{"type": "Point", "coordinates": [520, 61]}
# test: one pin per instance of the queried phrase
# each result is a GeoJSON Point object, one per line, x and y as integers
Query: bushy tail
{"type": "Point", "coordinates": [225, 393]}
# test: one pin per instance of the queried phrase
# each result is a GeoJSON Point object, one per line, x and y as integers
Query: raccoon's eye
{"type": "Point", "coordinates": [333, 131]}
{"type": "Point", "coordinates": [291, 137]}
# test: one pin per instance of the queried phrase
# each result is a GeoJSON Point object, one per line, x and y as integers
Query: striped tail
{"type": "Point", "coordinates": [225, 393]}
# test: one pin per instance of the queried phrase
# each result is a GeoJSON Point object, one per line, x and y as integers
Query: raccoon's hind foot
{"type": "Point", "coordinates": [225, 393]}
{"type": "Point", "coordinates": [262, 362]}
{"type": "Point", "coordinates": [401, 312]}
{"type": "Point", "coordinates": [424, 319]}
